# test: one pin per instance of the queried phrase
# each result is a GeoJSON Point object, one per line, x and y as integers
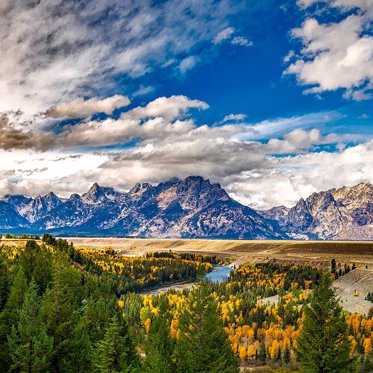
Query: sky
{"type": "Point", "coordinates": [272, 99]}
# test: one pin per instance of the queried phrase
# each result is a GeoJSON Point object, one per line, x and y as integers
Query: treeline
{"type": "Point", "coordinates": [57, 317]}
{"type": "Point", "coordinates": [339, 269]}
{"type": "Point", "coordinates": [135, 274]}
{"type": "Point", "coordinates": [21, 236]}
{"type": "Point", "coordinates": [184, 256]}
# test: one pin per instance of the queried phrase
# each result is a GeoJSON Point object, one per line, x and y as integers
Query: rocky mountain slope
{"type": "Point", "coordinates": [176, 208]}
{"type": "Point", "coordinates": [345, 213]}
{"type": "Point", "coordinates": [190, 208]}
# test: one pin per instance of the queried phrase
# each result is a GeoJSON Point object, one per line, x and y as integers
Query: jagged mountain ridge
{"type": "Point", "coordinates": [341, 214]}
{"type": "Point", "coordinates": [176, 208]}
{"type": "Point", "coordinates": [191, 208]}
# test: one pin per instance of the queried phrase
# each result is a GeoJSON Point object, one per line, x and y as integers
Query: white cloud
{"type": "Point", "coordinates": [242, 41]}
{"type": "Point", "coordinates": [234, 117]}
{"type": "Point", "coordinates": [245, 170]}
{"type": "Point", "coordinates": [300, 140]}
{"type": "Point", "coordinates": [228, 35]}
{"type": "Point", "coordinates": [307, 3]}
{"type": "Point", "coordinates": [168, 108]}
{"type": "Point", "coordinates": [277, 127]}
{"type": "Point", "coordinates": [188, 63]}
{"type": "Point", "coordinates": [224, 35]}
{"type": "Point", "coordinates": [80, 108]}
{"type": "Point", "coordinates": [365, 5]}
{"type": "Point", "coordinates": [55, 51]}
{"type": "Point", "coordinates": [337, 55]}
{"type": "Point", "coordinates": [169, 143]}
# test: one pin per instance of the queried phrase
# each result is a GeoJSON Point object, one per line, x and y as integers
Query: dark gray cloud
{"type": "Point", "coordinates": [18, 134]}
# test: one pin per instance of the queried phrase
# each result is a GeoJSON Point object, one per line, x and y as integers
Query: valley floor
{"type": "Point", "coordinates": [240, 251]}
{"type": "Point", "coordinates": [351, 288]}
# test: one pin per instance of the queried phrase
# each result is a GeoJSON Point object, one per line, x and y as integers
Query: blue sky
{"type": "Point", "coordinates": [252, 78]}
{"type": "Point", "coordinates": [251, 94]}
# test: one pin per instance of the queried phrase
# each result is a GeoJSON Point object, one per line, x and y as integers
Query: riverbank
{"type": "Point", "coordinates": [218, 274]}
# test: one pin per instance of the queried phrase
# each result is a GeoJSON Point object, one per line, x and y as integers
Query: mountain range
{"type": "Point", "coordinates": [190, 208]}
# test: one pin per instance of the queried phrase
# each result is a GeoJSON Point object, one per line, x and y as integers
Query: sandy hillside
{"type": "Point", "coordinates": [353, 288]}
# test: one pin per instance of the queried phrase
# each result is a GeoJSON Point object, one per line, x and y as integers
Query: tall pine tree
{"type": "Point", "coordinates": [30, 346]}
{"type": "Point", "coordinates": [115, 352]}
{"type": "Point", "coordinates": [159, 346]}
{"type": "Point", "coordinates": [323, 345]}
{"type": "Point", "coordinates": [10, 315]}
{"type": "Point", "coordinates": [203, 344]}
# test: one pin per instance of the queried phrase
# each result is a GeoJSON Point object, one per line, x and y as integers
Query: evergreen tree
{"type": "Point", "coordinates": [61, 308]}
{"type": "Point", "coordinates": [323, 345]}
{"type": "Point", "coordinates": [30, 346]}
{"type": "Point", "coordinates": [42, 271]}
{"type": "Point", "coordinates": [115, 352]}
{"type": "Point", "coordinates": [4, 282]}
{"type": "Point", "coordinates": [36, 263]}
{"type": "Point", "coordinates": [81, 354]}
{"type": "Point", "coordinates": [287, 356]}
{"type": "Point", "coordinates": [27, 258]}
{"type": "Point", "coordinates": [333, 266]}
{"type": "Point", "coordinates": [10, 316]}
{"type": "Point", "coordinates": [262, 352]}
{"type": "Point", "coordinates": [159, 346]}
{"type": "Point", "coordinates": [203, 344]}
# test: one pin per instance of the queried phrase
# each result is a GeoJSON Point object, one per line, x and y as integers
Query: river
{"type": "Point", "coordinates": [218, 274]}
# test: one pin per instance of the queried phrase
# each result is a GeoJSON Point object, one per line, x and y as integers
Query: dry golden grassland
{"type": "Point", "coordinates": [239, 251]}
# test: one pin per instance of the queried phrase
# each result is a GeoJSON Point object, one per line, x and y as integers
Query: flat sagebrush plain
{"type": "Point", "coordinates": [240, 251]}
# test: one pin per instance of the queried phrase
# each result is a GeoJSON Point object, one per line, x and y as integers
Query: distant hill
{"type": "Point", "coordinates": [190, 208]}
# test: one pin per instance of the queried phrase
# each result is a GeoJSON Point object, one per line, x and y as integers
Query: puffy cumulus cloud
{"type": "Point", "coordinates": [259, 174]}
{"type": "Point", "coordinates": [162, 118]}
{"type": "Point", "coordinates": [111, 132]}
{"type": "Point", "coordinates": [300, 140]}
{"type": "Point", "coordinates": [27, 173]}
{"type": "Point", "coordinates": [169, 108]}
{"type": "Point", "coordinates": [80, 108]}
{"type": "Point", "coordinates": [167, 119]}
{"type": "Point", "coordinates": [55, 51]}
{"type": "Point", "coordinates": [336, 55]}
{"type": "Point", "coordinates": [287, 179]}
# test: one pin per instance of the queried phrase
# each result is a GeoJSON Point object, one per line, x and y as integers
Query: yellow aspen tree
{"type": "Point", "coordinates": [242, 353]}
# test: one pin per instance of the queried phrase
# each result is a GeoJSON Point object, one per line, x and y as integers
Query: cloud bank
{"type": "Point", "coordinates": [337, 55]}
{"type": "Point", "coordinates": [262, 164]}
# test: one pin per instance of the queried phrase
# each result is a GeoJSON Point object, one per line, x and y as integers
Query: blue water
{"type": "Point", "coordinates": [219, 274]}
